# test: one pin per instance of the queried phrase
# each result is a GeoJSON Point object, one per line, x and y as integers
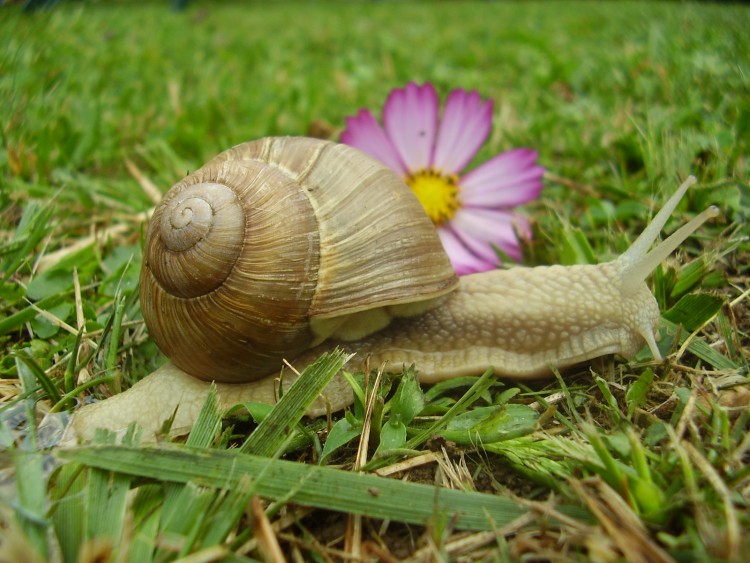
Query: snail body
{"type": "Point", "coordinates": [368, 273]}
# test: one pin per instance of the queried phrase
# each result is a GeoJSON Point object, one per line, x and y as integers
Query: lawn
{"type": "Point", "coordinates": [105, 105]}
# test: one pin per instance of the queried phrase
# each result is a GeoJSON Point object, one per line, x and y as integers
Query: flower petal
{"type": "Point", "coordinates": [364, 133]}
{"type": "Point", "coordinates": [463, 261]}
{"type": "Point", "coordinates": [465, 125]}
{"type": "Point", "coordinates": [410, 119]}
{"type": "Point", "coordinates": [481, 229]}
{"type": "Point", "coordinates": [509, 179]}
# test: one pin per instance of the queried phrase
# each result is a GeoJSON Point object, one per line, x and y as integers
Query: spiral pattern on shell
{"type": "Point", "coordinates": [202, 230]}
{"type": "Point", "coordinates": [243, 252]}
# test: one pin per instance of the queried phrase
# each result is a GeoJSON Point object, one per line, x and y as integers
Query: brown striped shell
{"type": "Point", "coordinates": [276, 244]}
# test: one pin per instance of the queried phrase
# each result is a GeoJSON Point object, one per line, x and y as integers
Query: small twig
{"type": "Point", "coordinates": [739, 299]}
{"type": "Point", "coordinates": [552, 399]}
{"type": "Point", "coordinates": [407, 464]}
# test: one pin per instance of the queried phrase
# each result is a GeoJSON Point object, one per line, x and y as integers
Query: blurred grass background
{"type": "Point", "coordinates": [622, 95]}
{"type": "Point", "coordinates": [586, 83]}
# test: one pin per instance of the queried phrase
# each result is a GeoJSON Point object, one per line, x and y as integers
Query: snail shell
{"type": "Point", "coordinates": [275, 245]}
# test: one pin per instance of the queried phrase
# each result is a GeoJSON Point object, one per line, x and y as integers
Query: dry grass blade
{"type": "Point", "coordinates": [461, 545]}
{"type": "Point", "coordinates": [734, 531]}
{"type": "Point", "coordinates": [620, 524]}
{"type": "Point", "coordinates": [52, 259]}
{"type": "Point", "coordinates": [353, 538]}
{"type": "Point", "coordinates": [14, 544]}
{"type": "Point", "coordinates": [208, 555]}
{"type": "Point", "coordinates": [148, 187]}
{"type": "Point", "coordinates": [265, 535]}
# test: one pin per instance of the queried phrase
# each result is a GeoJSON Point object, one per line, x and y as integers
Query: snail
{"type": "Point", "coordinates": [281, 248]}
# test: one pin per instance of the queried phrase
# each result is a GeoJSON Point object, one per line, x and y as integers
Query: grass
{"type": "Point", "coordinates": [105, 106]}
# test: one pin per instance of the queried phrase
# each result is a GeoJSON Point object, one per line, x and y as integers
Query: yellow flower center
{"type": "Point", "coordinates": [437, 192]}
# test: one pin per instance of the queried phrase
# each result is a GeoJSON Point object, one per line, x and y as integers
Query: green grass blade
{"type": "Point", "coordinates": [26, 364]}
{"type": "Point", "coordinates": [68, 509]}
{"type": "Point", "coordinates": [227, 511]}
{"type": "Point", "coordinates": [690, 276]}
{"type": "Point", "coordinates": [69, 379]}
{"type": "Point", "coordinates": [730, 337]}
{"type": "Point", "coordinates": [637, 393]}
{"type": "Point", "coordinates": [475, 392]}
{"type": "Point", "coordinates": [317, 486]}
{"type": "Point", "coordinates": [32, 500]}
{"type": "Point", "coordinates": [33, 227]}
{"type": "Point", "coordinates": [183, 515]}
{"type": "Point", "coordinates": [538, 459]}
{"type": "Point", "coordinates": [609, 398]}
{"type": "Point", "coordinates": [694, 310]}
{"type": "Point", "coordinates": [700, 348]}
{"type": "Point", "coordinates": [274, 430]}
{"type": "Point", "coordinates": [63, 402]}
{"type": "Point", "coordinates": [146, 517]}
{"type": "Point", "coordinates": [31, 482]}
{"type": "Point", "coordinates": [114, 338]}
{"type": "Point", "coordinates": [208, 425]}
{"type": "Point", "coordinates": [105, 503]}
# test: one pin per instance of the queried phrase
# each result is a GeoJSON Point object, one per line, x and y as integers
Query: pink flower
{"type": "Point", "coordinates": [473, 212]}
